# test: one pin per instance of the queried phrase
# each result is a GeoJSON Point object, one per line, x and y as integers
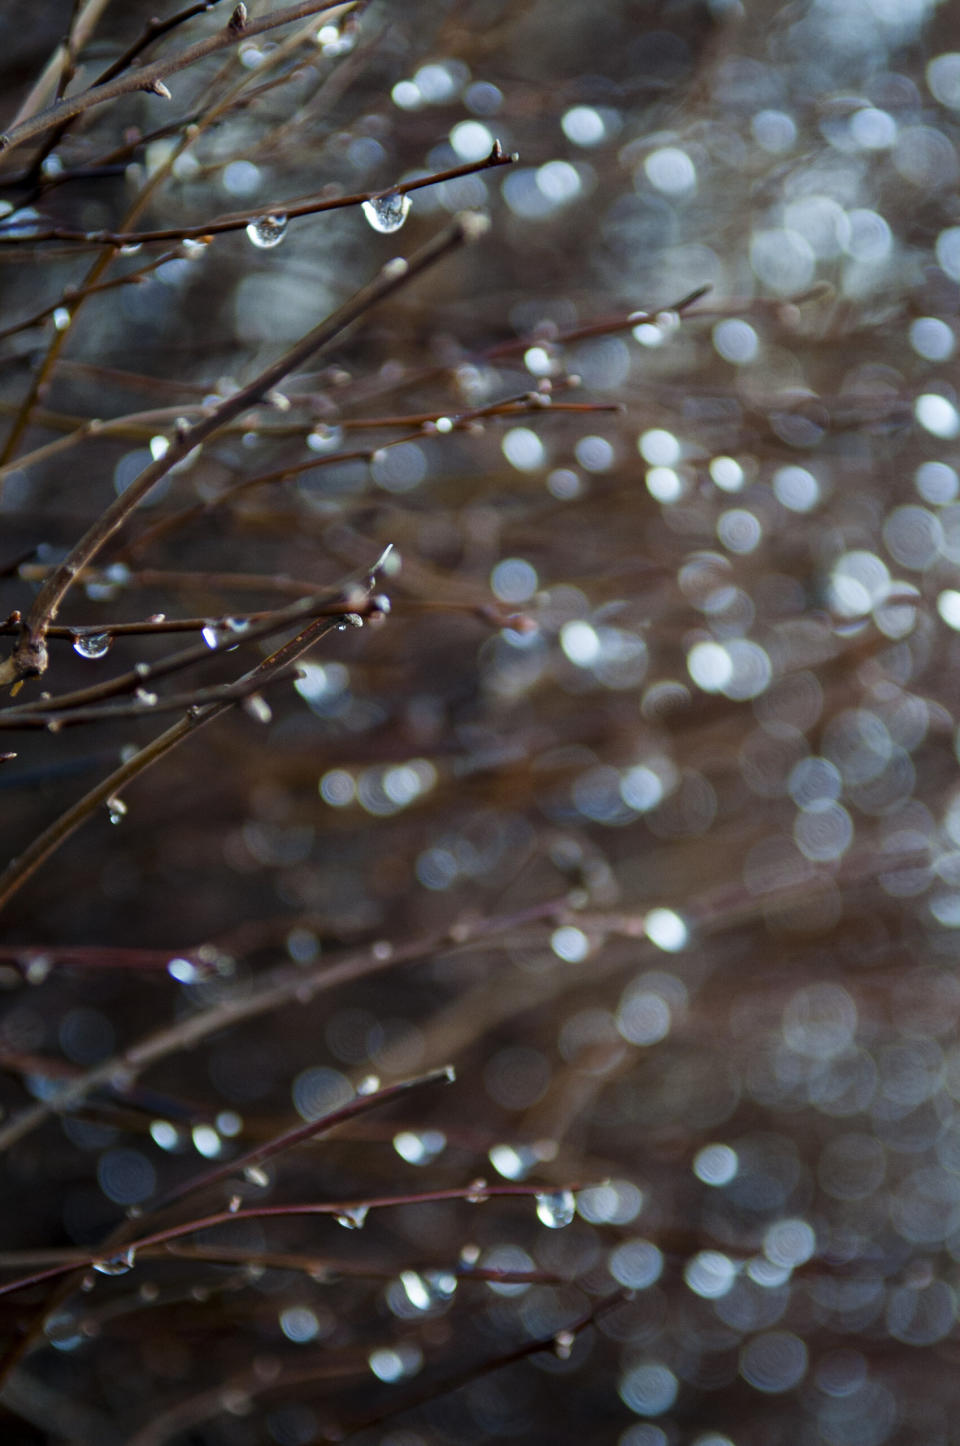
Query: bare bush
{"type": "Point", "coordinates": [479, 544]}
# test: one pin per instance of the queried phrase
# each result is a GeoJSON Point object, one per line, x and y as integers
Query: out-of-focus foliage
{"type": "Point", "coordinates": [721, 735]}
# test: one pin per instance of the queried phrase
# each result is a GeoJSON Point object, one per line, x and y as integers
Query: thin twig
{"type": "Point", "coordinates": [476, 1192]}
{"type": "Point", "coordinates": [281, 986]}
{"type": "Point", "coordinates": [69, 296]}
{"type": "Point", "coordinates": [147, 76]}
{"type": "Point", "coordinates": [454, 1382]}
{"type": "Point", "coordinates": [105, 258]}
{"type": "Point", "coordinates": [30, 655]}
{"type": "Point", "coordinates": [54, 721]}
{"type": "Point", "coordinates": [20, 869]}
{"type": "Point", "coordinates": [290, 1139]}
{"type": "Point", "coordinates": [354, 601]}
{"type": "Point", "coordinates": [222, 225]}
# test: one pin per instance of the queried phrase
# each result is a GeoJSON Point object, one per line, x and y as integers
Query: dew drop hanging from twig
{"type": "Point", "coordinates": [387, 213]}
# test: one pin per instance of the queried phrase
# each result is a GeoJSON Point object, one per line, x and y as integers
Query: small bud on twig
{"type": "Point", "coordinates": [237, 23]}
{"type": "Point", "coordinates": [157, 87]}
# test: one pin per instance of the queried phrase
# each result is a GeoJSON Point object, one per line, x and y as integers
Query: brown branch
{"type": "Point", "coordinates": [426, 428]}
{"type": "Point", "coordinates": [54, 721]}
{"type": "Point", "coordinates": [472, 1373]}
{"type": "Point", "coordinates": [355, 602]}
{"type": "Point", "coordinates": [309, 1264]}
{"type": "Point", "coordinates": [20, 869]}
{"type": "Point", "coordinates": [222, 225]}
{"type": "Point", "coordinates": [82, 429]}
{"type": "Point", "coordinates": [153, 30]}
{"type": "Point", "coordinates": [476, 1192]}
{"type": "Point", "coordinates": [281, 986]}
{"type": "Point", "coordinates": [104, 258]}
{"type": "Point", "coordinates": [289, 1139]}
{"type": "Point", "coordinates": [144, 77]}
{"type": "Point", "coordinates": [70, 295]}
{"type": "Point", "coordinates": [30, 655]}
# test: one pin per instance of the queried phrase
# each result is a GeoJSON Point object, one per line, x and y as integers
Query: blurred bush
{"type": "Point", "coordinates": [640, 808]}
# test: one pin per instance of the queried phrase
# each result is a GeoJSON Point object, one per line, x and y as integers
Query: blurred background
{"type": "Point", "coordinates": [641, 806]}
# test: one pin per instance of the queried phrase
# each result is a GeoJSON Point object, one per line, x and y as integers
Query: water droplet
{"type": "Point", "coordinates": [387, 213]}
{"type": "Point", "coordinates": [92, 645]}
{"type": "Point", "coordinates": [419, 1148]}
{"type": "Point", "coordinates": [469, 1255]}
{"type": "Point", "coordinates": [116, 810]}
{"type": "Point", "coordinates": [354, 1217]}
{"type": "Point", "coordinates": [477, 1193]}
{"type": "Point", "coordinates": [324, 438]}
{"type": "Point", "coordinates": [369, 1085]}
{"type": "Point", "coordinates": [117, 1264]}
{"type": "Point", "coordinates": [556, 1208]}
{"type": "Point", "coordinates": [210, 635]}
{"type": "Point", "coordinates": [267, 231]}
{"type": "Point", "coordinates": [234, 1204]}
{"type": "Point", "coordinates": [61, 318]}
{"type": "Point", "coordinates": [256, 1175]}
{"type": "Point", "coordinates": [563, 1345]}
{"type": "Point", "coordinates": [431, 1289]}
{"type": "Point", "coordinates": [144, 696]}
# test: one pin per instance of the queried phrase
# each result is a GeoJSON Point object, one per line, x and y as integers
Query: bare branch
{"type": "Point", "coordinates": [97, 95]}
{"type": "Point", "coordinates": [223, 225]}
{"type": "Point", "coordinates": [30, 656]}
{"type": "Point", "coordinates": [281, 986]}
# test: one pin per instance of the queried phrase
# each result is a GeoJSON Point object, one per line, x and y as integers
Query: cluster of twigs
{"type": "Point", "coordinates": [510, 779]}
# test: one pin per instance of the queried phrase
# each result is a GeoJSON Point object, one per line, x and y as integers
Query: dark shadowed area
{"type": "Point", "coordinates": [480, 801]}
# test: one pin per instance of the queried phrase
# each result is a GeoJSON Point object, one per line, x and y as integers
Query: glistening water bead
{"type": "Point", "coordinates": [353, 1217]}
{"type": "Point", "coordinates": [387, 213]}
{"type": "Point", "coordinates": [92, 645]}
{"type": "Point", "coordinates": [556, 1208]}
{"type": "Point", "coordinates": [267, 231]}
{"type": "Point", "coordinates": [116, 1264]}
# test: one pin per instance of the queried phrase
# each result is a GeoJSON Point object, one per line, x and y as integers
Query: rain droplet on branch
{"type": "Point", "coordinates": [265, 232]}
{"type": "Point", "coordinates": [92, 645]}
{"type": "Point", "coordinates": [556, 1209]}
{"type": "Point", "coordinates": [117, 1264]}
{"type": "Point", "coordinates": [387, 213]}
{"type": "Point", "coordinates": [354, 1217]}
